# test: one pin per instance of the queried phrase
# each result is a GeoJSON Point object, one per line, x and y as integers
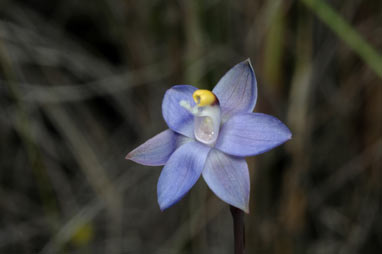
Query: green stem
{"type": "Point", "coordinates": [238, 229]}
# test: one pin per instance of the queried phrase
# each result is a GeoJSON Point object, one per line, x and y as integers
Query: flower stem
{"type": "Point", "coordinates": [238, 229]}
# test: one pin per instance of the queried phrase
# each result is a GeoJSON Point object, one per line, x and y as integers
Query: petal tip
{"type": "Point", "coordinates": [248, 61]}
{"type": "Point", "coordinates": [162, 208]}
{"type": "Point", "coordinates": [132, 156]}
{"type": "Point", "coordinates": [287, 137]}
{"type": "Point", "coordinates": [129, 156]}
{"type": "Point", "coordinates": [289, 134]}
{"type": "Point", "coordinates": [243, 208]}
{"type": "Point", "coordinates": [163, 205]}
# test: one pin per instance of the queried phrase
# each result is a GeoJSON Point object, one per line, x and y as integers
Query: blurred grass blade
{"type": "Point", "coordinates": [346, 33]}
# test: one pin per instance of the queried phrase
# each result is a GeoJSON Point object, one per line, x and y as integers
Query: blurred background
{"type": "Point", "coordinates": [81, 85]}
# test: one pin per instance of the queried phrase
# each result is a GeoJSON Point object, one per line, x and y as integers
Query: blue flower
{"type": "Point", "coordinates": [209, 134]}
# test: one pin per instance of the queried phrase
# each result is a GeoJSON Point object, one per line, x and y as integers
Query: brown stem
{"type": "Point", "coordinates": [238, 229]}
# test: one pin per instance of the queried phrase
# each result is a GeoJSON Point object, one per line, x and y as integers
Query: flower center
{"type": "Point", "coordinates": [206, 116]}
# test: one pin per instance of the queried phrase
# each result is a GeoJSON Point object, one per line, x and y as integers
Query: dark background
{"type": "Point", "coordinates": [81, 85]}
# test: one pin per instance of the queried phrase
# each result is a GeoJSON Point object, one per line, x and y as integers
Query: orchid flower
{"type": "Point", "coordinates": [210, 134]}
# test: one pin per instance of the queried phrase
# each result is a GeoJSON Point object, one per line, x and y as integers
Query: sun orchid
{"type": "Point", "coordinates": [209, 134]}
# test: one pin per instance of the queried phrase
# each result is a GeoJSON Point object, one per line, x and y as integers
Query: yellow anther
{"type": "Point", "coordinates": [204, 97]}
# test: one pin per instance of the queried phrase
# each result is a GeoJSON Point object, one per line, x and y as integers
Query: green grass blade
{"type": "Point", "coordinates": [347, 33]}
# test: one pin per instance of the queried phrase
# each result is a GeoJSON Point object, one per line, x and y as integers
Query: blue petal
{"type": "Point", "coordinates": [251, 133]}
{"type": "Point", "coordinates": [181, 172]}
{"type": "Point", "coordinates": [157, 150]}
{"type": "Point", "coordinates": [228, 177]}
{"type": "Point", "coordinates": [237, 90]}
{"type": "Point", "coordinates": [178, 118]}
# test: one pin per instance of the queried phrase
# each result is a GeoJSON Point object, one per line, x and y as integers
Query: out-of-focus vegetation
{"type": "Point", "coordinates": [81, 84]}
